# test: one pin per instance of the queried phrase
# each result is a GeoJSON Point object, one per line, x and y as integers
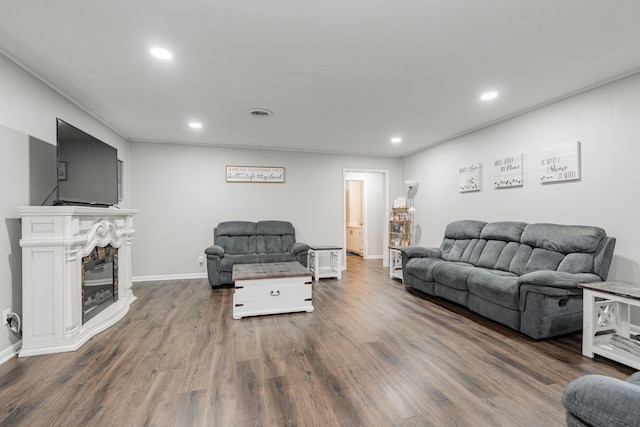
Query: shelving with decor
{"type": "Point", "coordinates": [400, 227]}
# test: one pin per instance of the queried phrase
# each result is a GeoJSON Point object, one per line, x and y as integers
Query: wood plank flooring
{"type": "Point", "coordinates": [371, 354]}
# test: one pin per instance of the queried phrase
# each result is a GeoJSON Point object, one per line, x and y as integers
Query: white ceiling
{"type": "Point", "coordinates": [340, 76]}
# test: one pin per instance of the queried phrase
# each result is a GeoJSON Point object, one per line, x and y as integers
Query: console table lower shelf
{"type": "Point", "coordinates": [272, 288]}
{"type": "Point", "coordinates": [608, 329]}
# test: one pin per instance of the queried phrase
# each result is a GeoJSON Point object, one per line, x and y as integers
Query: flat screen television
{"type": "Point", "coordinates": [87, 168]}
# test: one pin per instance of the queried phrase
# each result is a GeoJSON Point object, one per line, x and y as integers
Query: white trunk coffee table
{"type": "Point", "coordinates": [272, 288]}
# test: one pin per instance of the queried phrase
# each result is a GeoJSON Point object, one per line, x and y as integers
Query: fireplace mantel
{"type": "Point", "coordinates": [54, 240]}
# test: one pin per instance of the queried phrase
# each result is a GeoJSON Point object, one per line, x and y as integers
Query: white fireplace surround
{"type": "Point", "coordinates": [54, 240]}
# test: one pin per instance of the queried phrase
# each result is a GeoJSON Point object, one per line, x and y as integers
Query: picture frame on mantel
{"type": "Point", "coordinates": [255, 174]}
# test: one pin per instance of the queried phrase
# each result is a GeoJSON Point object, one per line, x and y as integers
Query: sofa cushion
{"type": "Point", "coordinates": [458, 250]}
{"type": "Point", "coordinates": [563, 238]}
{"type": "Point", "coordinates": [542, 259]}
{"type": "Point", "coordinates": [274, 236]}
{"type": "Point", "coordinates": [490, 253]}
{"type": "Point", "coordinates": [464, 229]}
{"type": "Point", "coordinates": [236, 237]}
{"type": "Point", "coordinates": [422, 268]}
{"type": "Point", "coordinates": [520, 259]}
{"type": "Point", "coordinates": [508, 231]}
{"type": "Point", "coordinates": [237, 245]}
{"type": "Point", "coordinates": [501, 289]}
{"type": "Point", "coordinates": [277, 257]}
{"type": "Point", "coordinates": [226, 263]}
{"type": "Point", "coordinates": [453, 274]}
{"type": "Point", "coordinates": [577, 263]}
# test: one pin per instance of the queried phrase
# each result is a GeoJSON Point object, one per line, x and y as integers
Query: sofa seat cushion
{"type": "Point", "coordinates": [496, 286]}
{"type": "Point", "coordinates": [276, 257]}
{"type": "Point", "coordinates": [226, 263]}
{"type": "Point", "coordinates": [422, 268]}
{"type": "Point", "coordinates": [453, 274]}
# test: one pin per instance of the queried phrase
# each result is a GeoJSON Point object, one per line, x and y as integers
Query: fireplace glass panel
{"type": "Point", "coordinates": [98, 287]}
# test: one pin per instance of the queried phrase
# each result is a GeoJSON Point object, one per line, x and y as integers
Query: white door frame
{"type": "Point", "coordinates": [385, 200]}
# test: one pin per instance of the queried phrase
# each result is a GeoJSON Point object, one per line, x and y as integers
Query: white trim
{"type": "Point", "coordinates": [10, 352]}
{"type": "Point", "coordinates": [162, 277]}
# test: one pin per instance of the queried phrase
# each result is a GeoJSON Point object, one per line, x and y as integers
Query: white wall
{"type": "Point", "coordinates": [605, 120]}
{"type": "Point", "coordinates": [181, 194]}
{"type": "Point", "coordinates": [28, 111]}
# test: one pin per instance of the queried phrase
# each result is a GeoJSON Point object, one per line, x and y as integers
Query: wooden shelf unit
{"type": "Point", "coordinates": [400, 227]}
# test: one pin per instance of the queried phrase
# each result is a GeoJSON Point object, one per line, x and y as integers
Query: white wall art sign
{"type": "Point", "coordinates": [560, 163]}
{"type": "Point", "coordinates": [507, 172]}
{"type": "Point", "coordinates": [255, 174]}
{"type": "Point", "coordinates": [469, 178]}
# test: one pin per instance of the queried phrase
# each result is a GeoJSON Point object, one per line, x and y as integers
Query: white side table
{"type": "Point", "coordinates": [332, 269]}
{"type": "Point", "coordinates": [606, 312]}
{"type": "Point", "coordinates": [395, 263]}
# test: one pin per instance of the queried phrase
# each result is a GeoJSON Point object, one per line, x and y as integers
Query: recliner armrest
{"type": "Point", "coordinates": [298, 247]}
{"type": "Point", "coordinates": [598, 400]}
{"type": "Point", "coordinates": [214, 250]}
{"type": "Point", "coordinates": [557, 279]}
{"type": "Point", "coordinates": [420, 252]}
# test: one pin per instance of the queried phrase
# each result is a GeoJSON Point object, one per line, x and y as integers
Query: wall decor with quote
{"type": "Point", "coordinates": [264, 174]}
{"type": "Point", "coordinates": [469, 178]}
{"type": "Point", "coordinates": [507, 171]}
{"type": "Point", "coordinates": [561, 163]}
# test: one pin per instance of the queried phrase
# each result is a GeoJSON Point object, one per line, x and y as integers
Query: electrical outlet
{"type": "Point", "coordinates": [5, 314]}
{"type": "Point", "coordinates": [201, 260]}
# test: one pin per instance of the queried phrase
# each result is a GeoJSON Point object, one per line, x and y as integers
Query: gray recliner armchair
{"type": "Point", "coordinates": [598, 400]}
{"type": "Point", "coordinates": [244, 242]}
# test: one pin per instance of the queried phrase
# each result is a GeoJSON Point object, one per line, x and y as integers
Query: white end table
{"type": "Point", "coordinates": [607, 312]}
{"type": "Point", "coordinates": [395, 263]}
{"type": "Point", "coordinates": [332, 269]}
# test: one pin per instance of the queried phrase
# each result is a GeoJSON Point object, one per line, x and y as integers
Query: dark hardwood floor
{"type": "Point", "coordinates": [371, 354]}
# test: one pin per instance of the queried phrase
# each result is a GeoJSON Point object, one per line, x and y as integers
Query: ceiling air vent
{"type": "Point", "coordinates": [260, 112]}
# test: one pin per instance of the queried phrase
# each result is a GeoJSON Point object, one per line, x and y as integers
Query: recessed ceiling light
{"type": "Point", "coordinates": [396, 140]}
{"type": "Point", "coordinates": [489, 95]}
{"type": "Point", "coordinates": [161, 53]}
{"type": "Point", "coordinates": [195, 125]}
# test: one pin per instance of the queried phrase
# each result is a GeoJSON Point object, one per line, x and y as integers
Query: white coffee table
{"type": "Point", "coordinates": [271, 288]}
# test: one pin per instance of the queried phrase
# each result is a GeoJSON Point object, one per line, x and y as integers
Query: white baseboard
{"type": "Point", "coordinates": [10, 352]}
{"type": "Point", "coordinates": [169, 277]}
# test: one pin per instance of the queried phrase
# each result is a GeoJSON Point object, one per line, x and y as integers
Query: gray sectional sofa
{"type": "Point", "coordinates": [524, 276]}
{"type": "Point", "coordinates": [244, 242]}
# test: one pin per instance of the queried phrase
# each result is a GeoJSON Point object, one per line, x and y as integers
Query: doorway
{"type": "Point", "coordinates": [365, 201]}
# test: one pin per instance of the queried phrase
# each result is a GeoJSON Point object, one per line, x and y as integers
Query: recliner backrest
{"type": "Point", "coordinates": [520, 248]}
{"type": "Point", "coordinates": [274, 236]}
{"type": "Point", "coordinates": [236, 237]}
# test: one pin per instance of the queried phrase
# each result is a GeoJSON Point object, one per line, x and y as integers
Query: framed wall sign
{"type": "Point", "coordinates": [507, 172]}
{"type": "Point", "coordinates": [470, 178]}
{"type": "Point", "coordinates": [265, 174]}
{"type": "Point", "coordinates": [560, 163]}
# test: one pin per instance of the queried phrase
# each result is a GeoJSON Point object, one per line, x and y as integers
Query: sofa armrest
{"type": "Point", "coordinates": [420, 252]}
{"type": "Point", "coordinates": [214, 250]}
{"type": "Point", "coordinates": [557, 279]}
{"type": "Point", "coordinates": [598, 400]}
{"type": "Point", "coordinates": [298, 247]}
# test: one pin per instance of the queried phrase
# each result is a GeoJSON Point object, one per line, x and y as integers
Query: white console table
{"type": "Point", "coordinates": [54, 240]}
{"type": "Point", "coordinates": [607, 311]}
{"type": "Point", "coordinates": [330, 269]}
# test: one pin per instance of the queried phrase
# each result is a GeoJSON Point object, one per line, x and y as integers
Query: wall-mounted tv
{"type": "Point", "coordinates": [87, 168]}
